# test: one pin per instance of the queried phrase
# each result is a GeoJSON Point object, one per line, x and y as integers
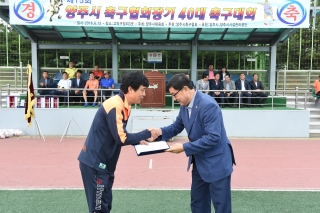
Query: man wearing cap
{"type": "Point", "coordinates": [106, 83]}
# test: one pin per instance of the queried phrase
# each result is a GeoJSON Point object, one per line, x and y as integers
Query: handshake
{"type": "Point", "coordinates": [155, 133]}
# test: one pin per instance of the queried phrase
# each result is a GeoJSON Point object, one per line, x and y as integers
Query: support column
{"type": "Point", "coordinates": [35, 64]}
{"type": "Point", "coordinates": [194, 59]}
{"type": "Point", "coordinates": [272, 67]}
{"type": "Point", "coordinates": [115, 68]}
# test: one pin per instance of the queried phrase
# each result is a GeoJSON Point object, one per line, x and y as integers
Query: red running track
{"type": "Point", "coordinates": [271, 164]}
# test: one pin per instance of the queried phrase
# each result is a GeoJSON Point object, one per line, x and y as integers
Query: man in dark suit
{"type": "Point", "coordinates": [209, 149]}
{"type": "Point", "coordinates": [217, 85]}
{"type": "Point", "coordinates": [79, 83]}
{"type": "Point", "coordinates": [257, 85]}
{"type": "Point", "coordinates": [243, 85]}
{"type": "Point", "coordinates": [223, 73]}
{"type": "Point", "coordinates": [45, 82]}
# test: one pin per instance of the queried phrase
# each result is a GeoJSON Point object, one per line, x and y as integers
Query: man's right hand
{"type": "Point", "coordinates": [155, 132]}
{"type": "Point", "coordinates": [41, 84]}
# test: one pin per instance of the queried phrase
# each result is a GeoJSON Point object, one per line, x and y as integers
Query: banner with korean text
{"type": "Point", "coordinates": [146, 13]}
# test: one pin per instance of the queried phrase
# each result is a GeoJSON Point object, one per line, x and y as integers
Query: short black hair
{"type": "Point", "coordinates": [204, 75]}
{"type": "Point", "coordinates": [134, 80]}
{"type": "Point", "coordinates": [178, 81]}
{"type": "Point", "coordinates": [255, 74]}
{"type": "Point", "coordinates": [91, 73]}
{"type": "Point", "coordinates": [227, 75]}
{"type": "Point", "coordinates": [216, 73]}
{"type": "Point", "coordinates": [79, 71]}
{"type": "Point", "coordinates": [242, 73]}
{"type": "Point", "coordinates": [45, 71]}
{"type": "Point", "coordinates": [64, 73]}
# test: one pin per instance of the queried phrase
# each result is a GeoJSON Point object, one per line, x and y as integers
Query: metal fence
{"type": "Point", "coordinates": [290, 79]}
{"type": "Point", "coordinates": [16, 76]}
{"type": "Point", "coordinates": [301, 98]}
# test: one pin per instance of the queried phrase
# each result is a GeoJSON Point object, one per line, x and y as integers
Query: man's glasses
{"type": "Point", "coordinates": [174, 95]}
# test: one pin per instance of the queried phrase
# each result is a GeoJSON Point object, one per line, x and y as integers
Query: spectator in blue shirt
{"type": "Point", "coordinates": [106, 83]}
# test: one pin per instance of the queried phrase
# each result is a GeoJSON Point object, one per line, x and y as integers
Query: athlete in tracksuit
{"type": "Point", "coordinates": [99, 155]}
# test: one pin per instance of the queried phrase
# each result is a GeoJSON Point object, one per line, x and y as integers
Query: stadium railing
{"type": "Point", "coordinates": [11, 99]}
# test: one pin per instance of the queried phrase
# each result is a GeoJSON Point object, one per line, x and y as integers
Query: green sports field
{"type": "Point", "coordinates": [156, 201]}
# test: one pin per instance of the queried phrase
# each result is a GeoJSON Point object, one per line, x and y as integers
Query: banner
{"type": "Point", "coordinates": [29, 110]}
{"type": "Point", "coordinates": [146, 13]}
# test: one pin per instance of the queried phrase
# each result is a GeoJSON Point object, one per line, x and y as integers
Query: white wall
{"type": "Point", "coordinates": [243, 123]}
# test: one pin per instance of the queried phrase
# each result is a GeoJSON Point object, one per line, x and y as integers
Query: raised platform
{"type": "Point", "coordinates": [246, 122]}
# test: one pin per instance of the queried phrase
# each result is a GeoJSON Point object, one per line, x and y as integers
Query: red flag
{"type": "Point", "coordinates": [29, 111]}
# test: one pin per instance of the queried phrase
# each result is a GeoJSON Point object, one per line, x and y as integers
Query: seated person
{"type": "Point", "coordinates": [257, 85]}
{"type": "Point", "coordinates": [223, 73]}
{"type": "Point", "coordinates": [91, 88]}
{"type": "Point", "coordinates": [229, 97]}
{"type": "Point", "coordinates": [71, 71]}
{"type": "Point", "coordinates": [188, 76]}
{"type": "Point", "coordinates": [106, 83]}
{"type": "Point", "coordinates": [316, 86]}
{"type": "Point", "coordinates": [45, 82]}
{"type": "Point", "coordinates": [203, 84]}
{"type": "Point", "coordinates": [77, 82]}
{"type": "Point", "coordinates": [217, 85]}
{"type": "Point", "coordinates": [242, 85]}
{"type": "Point", "coordinates": [64, 83]}
{"type": "Point", "coordinates": [97, 73]}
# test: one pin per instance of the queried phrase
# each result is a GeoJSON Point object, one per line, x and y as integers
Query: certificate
{"type": "Point", "coordinates": [152, 148]}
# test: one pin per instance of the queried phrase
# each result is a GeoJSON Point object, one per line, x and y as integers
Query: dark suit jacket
{"type": "Point", "coordinates": [254, 87]}
{"type": "Point", "coordinates": [246, 84]}
{"type": "Point", "coordinates": [209, 144]}
{"type": "Point", "coordinates": [49, 82]}
{"type": "Point", "coordinates": [221, 76]}
{"type": "Point", "coordinates": [82, 83]}
{"type": "Point", "coordinates": [213, 85]}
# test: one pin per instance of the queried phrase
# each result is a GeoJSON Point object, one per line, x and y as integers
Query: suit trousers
{"type": "Point", "coordinates": [203, 192]}
{"type": "Point", "coordinates": [259, 94]}
{"type": "Point", "coordinates": [245, 94]}
{"type": "Point", "coordinates": [232, 99]}
{"type": "Point", "coordinates": [220, 99]}
{"type": "Point", "coordinates": [79, 95]}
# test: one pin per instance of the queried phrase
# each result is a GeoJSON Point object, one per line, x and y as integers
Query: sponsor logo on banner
{"type": "Point", "coordinates": [293, 13]}
{"type": "Point", "coordinates": [29, 11]}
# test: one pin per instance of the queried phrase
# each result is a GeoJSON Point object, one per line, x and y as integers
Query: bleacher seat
{"type": "Point", "coordinates": [55, 83]}
{"type": "Point", "coordinates": [85, 76]}
{"type": "Point", "coordinates": [249, 77]}
{"type": "Point", "coordinates": [116, 86]}
{"type": "Point", "coordinates": [234, 77]}
{"type": "Point", "coordinates": [58, 76]}
{"type": "Point", "coordinates": [168, 77]}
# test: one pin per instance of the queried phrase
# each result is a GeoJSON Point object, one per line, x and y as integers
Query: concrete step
{"type": "Point", "coordinates": [314, 125]}
{"type": "Point", "coordinates": [314, 133]}
{"type": "Point", "coordinates": [315, 118]}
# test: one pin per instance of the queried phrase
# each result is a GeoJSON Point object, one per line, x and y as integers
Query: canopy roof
{"type": "Point", "coordinates": [140, 35]}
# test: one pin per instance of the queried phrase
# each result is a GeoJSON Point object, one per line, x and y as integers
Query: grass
{"type": "Point", "coordinates": [155, 201]}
